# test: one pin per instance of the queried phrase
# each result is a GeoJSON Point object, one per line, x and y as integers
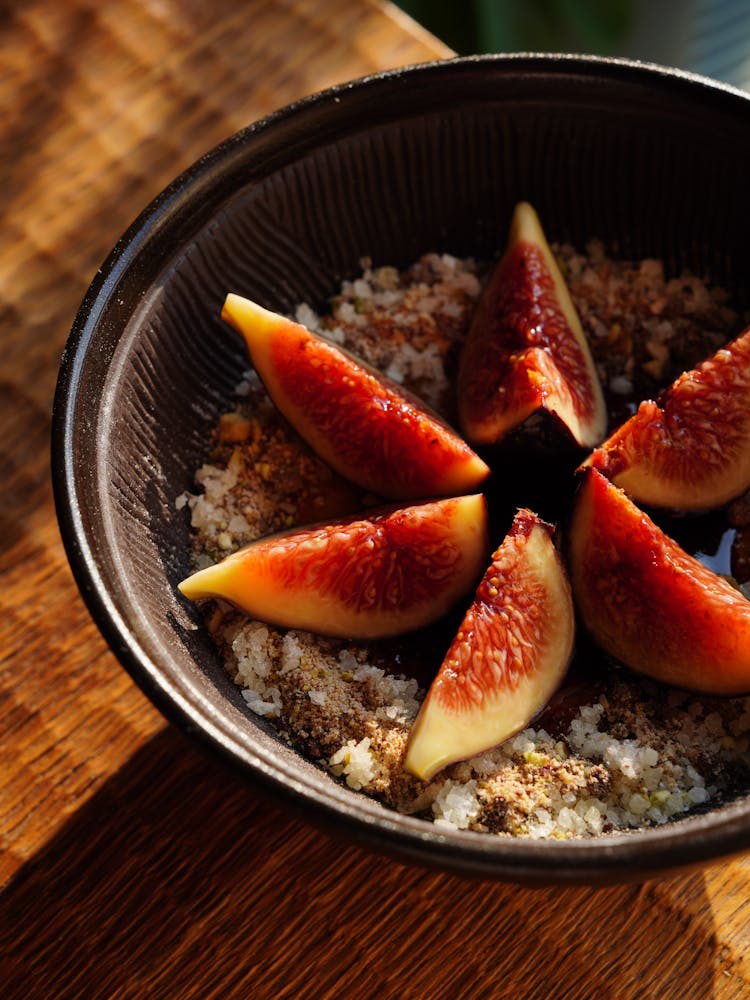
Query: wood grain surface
{"type": "Point", "coordinates": [132, 864]}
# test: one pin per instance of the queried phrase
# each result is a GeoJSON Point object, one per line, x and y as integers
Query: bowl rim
{"type": "Point", "coordinates": [615, 857]}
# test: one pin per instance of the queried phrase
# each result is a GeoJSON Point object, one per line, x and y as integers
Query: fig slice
{"type": "Point", "coordinates": [365, 426]}
{"type": "Point", "coordinates": [526, 350]}
{"type": "Point", "coordinates": [508, 657]}
{"type": "Point", "coordinates": [690, 449]}
{"type": "Point", "coordinates": [650, 604]}
{"type": "Point", "coordinates": [380, 573]}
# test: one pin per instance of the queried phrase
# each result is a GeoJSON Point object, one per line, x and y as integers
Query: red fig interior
{"type": "Point", "coordinates": [508, 657]}
{"type": "Point", "coordinates": [381, 573]}
{"type": "Point", "coordinates": [690, 449]}
{"type": "Point", "coordinates": [368, 428]}
{"type": "Point", "coordinates": [302, 671]}
{"type": "Point", "coordinates": [649, 603]}
{"type": "Point", "coordinates": [526, 350]}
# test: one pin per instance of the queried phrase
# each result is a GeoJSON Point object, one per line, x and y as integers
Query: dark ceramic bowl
{"type": "Point", "coordinates": [428, 158]}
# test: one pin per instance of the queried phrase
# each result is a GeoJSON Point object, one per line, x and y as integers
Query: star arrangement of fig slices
{"type": "Point", "coordinates": [389, 570]}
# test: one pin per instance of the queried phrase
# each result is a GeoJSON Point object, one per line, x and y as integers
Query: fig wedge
{"type": "Point", "coordinates": [377, 574]}
{"type": "Point", "coordinates": [526, 350]}
{"type": "Point", "coordinates": [690, 449]}
{"type": "Point", "coordinates": [508, 657]}
{"type": "Point", "coordinates": [650, 604]}
{"type": "Point", "coordinates": [368, 428]}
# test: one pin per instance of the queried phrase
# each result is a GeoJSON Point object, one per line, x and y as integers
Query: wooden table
{"type": "Point", "coordinates": [132, 865]}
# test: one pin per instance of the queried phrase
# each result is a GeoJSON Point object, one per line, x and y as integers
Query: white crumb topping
{"type": "Point", "coordinates": [629, 755]}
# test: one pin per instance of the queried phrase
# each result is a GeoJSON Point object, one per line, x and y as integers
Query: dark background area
{"type": "Point", "coordinates": [711, 37]}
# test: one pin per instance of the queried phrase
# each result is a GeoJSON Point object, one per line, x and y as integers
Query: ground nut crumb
{"type": "Point", "coordinates": [623, 753]}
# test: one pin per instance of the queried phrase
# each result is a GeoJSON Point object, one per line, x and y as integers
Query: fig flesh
{"type": "Point", "coordinates": [508, 657]}
{"type": "Point", "coordinates": [526, 350]}
{"type": "Point", "coordinates": [381, 573]}
{"type": "Point", "coordinates": [366, 427]}
{"type": "Point", "coordinates": [690, 449]}
{"type": "Point", "coordinates": [650, 604]}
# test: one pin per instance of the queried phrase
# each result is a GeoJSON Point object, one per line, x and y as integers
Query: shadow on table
{"type": "Point", "coordinates": [177, 879]}
{"type": "Point", "coordinates": [24, 470]}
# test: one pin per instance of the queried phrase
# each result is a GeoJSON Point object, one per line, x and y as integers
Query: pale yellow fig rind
{"type": "Point", "coordinates": [254, 323]}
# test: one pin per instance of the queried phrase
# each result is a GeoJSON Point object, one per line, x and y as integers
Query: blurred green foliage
{"type": "Point", "coordinates": [468, 26]}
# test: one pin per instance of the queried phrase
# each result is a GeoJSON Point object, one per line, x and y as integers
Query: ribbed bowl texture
{"type": "Point", "coordinates": [433, 158]}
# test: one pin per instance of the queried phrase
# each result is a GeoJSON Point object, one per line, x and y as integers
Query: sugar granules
{"type": "Point", "coordinates": [620, 760]}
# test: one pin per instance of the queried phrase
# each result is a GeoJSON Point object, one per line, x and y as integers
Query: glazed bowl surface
{"type": "Point", "coordinates": [430, 158]}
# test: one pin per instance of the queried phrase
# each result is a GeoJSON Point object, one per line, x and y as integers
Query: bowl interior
{"type": "Point", "coordinates": [432, 159]}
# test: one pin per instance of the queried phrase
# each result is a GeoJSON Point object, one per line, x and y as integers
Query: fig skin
{"type": "Point", "coordinates": [508, 657]}
{"type": "Point", "coordinates": [526, 349]}
{"type": "Point", "coordinates": [650, 604]}
{"type": "Point", "coordinates": [377, 574]}
{"type": "Point", "coordinates": [690, 449]}
{"type": "Point", "coordinates": [366, 427]}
